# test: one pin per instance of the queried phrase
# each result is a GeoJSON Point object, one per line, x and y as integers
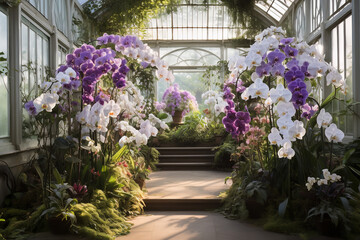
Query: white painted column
{"type": "Point", "coordinates": [15, 75]}
{"type": "Point", "coordinates": [356, 62]}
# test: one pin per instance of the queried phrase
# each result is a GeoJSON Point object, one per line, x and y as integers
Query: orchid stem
{"type": "Point", "coordinates": [331, 150]}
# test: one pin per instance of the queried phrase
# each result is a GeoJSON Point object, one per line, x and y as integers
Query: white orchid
{"type": "Point", "coordinates": [334, 134]}
{"type": "Point", "coordinates": [258, 89]}
{"type": "Point", "coordinates": [245, 95]}
{"type": "Point", "coordinates": [286, 151]}
{"type": "Point", "coordinates": [63, 78]}
{"type": "Point", "coordinates": [285, 109]}
{"type": "Point", "coordinates": [253, 59]}
{"type": "Point", "coordinates": [46, 101]}
{"type": "Point", "coordinates": [45, 85]}
{"type": "Point", "coordinates": [310, 182]}
{"type": "Point", "coordinates": [297, 131]}
{"type": "Point", "coordinates": [111, 109]}
{"type": "Point", "coordinates": [335, 78]}
{"type": "Point", "coordinates": [83, 116]}
{"type": "Point", "coordinates": [285, 123]}
{"type": "Point", "coordinates": [323, 119]}
{"type": "Point", "coordinates": [70, 72]}
{"type": "Point", "coordinates": [102, 123]}
{"type": "Point", "coordinates": [268, 102]}
{"type": "Point", "coordinates": [147, 128]}
{"type": "Point", "coordinates": [55, 87]}
{"type": "Point", "coordinates": [274, 137]}
{"type": "Point", "coordinates": [280, 94]}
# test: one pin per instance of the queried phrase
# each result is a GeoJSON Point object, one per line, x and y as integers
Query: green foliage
{"type": "Point", "coordinates": [123, 17]}
{"type": "Point", "coordinates": [192, 131]}
{"type": "Point", "coordinates": [234, 202]}
{"type": "Point", "coordinates": [61, 204]}
{"type": "Point", "coordinates": [100, 218]}
{"type": "Point", "coordinates": [257, 191]}
{"type": "Point", "coordinates": [213, 76]}
{"type": "Point", "coordinates": [223, 154]}
{"type": "Point", "coordinates": [275, 223]}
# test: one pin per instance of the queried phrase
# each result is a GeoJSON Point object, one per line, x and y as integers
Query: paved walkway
{"type": "Point", "coordinates": [196, 226]}
{"type": "Point", "coordinates": [186, 184]}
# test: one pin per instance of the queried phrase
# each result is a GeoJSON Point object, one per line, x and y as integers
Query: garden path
{"type": "Point", "coordinates": [183, 197]}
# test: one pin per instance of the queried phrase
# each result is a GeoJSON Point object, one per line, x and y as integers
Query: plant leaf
{"type": "Point", "coordinates": [282, 207]}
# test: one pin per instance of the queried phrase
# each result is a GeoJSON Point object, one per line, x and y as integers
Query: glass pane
{"type": "Point", "coordinates": [4, 94]}
{"type": "Point", "coordinates": [32, 61]}
{"type": "Point", "coordinates": [25, 59]}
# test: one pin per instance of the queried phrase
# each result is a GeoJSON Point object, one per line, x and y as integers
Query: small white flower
{"type": "Point", "coordinates": [70, 72]}
{"type": "Point", "coordinates": [111, 109]}
{"type": "Point", "coordinates": [323, 119]}
{"type": "Point", "coordinates": [280, 94]}
{"type": "Point", "coordinates": [268, 102]}
{"type": "Point", "coordinates": [322, 182]}
{"type": "Point", "coordinates": [63, 78]}
{"type": "Point", "coordinates": [334, 134]}
{"type": "Point", "coordinates": [55, 88]}
{"type": "Point", "coordinates": [297, 131]}
{"type": "Point", "coordinates": [46, 101]}
{"type": "Point", "coordinates": [286, 151]}
{"type": "Point", "coordinates": [335, 78]}
{"type": "Point", "coordinates": [45, 85]}
{"type": "Point", "coordinates": [83, 116]}
{"type": "Point", "coordinates": [284, 124]}
{"type": "Point", "coordinates": [274, 137]}
{"type": "Point", "coordinates": [285, 109]}
{"type": "Point", "coordinates": [253, 59]}
{"type": "Point", "coordinates": [258, 89]}
{"type": "Point", "coordinates": [326, 174]}
{"type": "Point", "coordinates": [245, 95]}
{"type": "Point", "coordinates": [310, 182]}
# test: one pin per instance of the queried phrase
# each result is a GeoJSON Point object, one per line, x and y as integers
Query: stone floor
{"type": "Point", "coordinates": [197, 226]}
{"type": "Point", "coordinates": [186, 184]}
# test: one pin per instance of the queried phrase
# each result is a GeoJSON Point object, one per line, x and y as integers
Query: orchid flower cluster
{"type": "Point", "coordinates": [103, 110]}
{"type": "Point", "coordinates": [133, 47]}
{"type": "Point", "coordinates": [289, 65]}
{"type": "Point", "coordinates": [178, 100]}
{"type": "Point", "coordinates": [328, 179]}
{"type": "Point", "coordinates": [65, 81]}
{"type": "Point", "coordinates": [215, 101]}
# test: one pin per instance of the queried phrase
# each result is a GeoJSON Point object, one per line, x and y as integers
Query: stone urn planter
{"type": "Point", "coordinates": [177, 118]}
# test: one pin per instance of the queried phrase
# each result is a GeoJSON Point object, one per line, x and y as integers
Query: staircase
{"type": "Point", "coordinates": [185, 158]}
{"type": "Point", "coordinates": [185, 181]}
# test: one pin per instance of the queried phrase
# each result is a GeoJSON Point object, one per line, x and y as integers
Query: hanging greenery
{"type": "Point", "coordinates": [124, 17]}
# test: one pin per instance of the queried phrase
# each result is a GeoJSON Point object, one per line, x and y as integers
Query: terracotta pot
{"type": "Point", "coordinates": [177, 118]}
{"type": "Point", "coordinates": [59, 226]}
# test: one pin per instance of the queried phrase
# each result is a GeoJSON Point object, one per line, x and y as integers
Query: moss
{"type": "Point", "coordinates": [99, 219]}
{"type": "Point", "coordinates": [282, 225]}
{"type": "Point", "coordinates": [13, 212]}
{"type": "Point", "coordinates": [17, 227]}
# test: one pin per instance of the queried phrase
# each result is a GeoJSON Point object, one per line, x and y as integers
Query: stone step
{"type": "Point", "coordinates": [186, 158]}
{"type": "Point", "coordinates": [185, 150]}
{"type": "Point", "coordinates": [178, 166]}
{"type": "Point", "coordinates": [181, 204]}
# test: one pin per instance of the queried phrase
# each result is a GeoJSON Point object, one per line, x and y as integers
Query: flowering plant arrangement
{"type": "Point", "coordinates": [274, 114]}
{"type": "Point", "coordinates": [175, 99]}
{"type": "Point", "coordinates": [106, 124]}
{"type": "Point", "coordinates": [216, 103]}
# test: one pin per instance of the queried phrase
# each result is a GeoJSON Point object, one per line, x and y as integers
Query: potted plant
{"type": "Point", "coordinates": [60, 214]}
{"type": "Point", "coordinates": [256, 196]}
{"type": "Point", "coordinates": [332, 202]}
{"type": "Point", "coordinates": [178, 102]}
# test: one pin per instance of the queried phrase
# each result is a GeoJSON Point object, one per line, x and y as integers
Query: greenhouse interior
{"type": "Point", "coordinates": [179, 119]}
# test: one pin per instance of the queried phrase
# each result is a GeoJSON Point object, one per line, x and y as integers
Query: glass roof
{"type": "Point", "coordinates": [275, 8]}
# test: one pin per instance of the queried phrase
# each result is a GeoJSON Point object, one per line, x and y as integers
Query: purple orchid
{"type": "Point", "coordinates": [263, 69]}
{"type": "Point", "coordinates": [275, 57]}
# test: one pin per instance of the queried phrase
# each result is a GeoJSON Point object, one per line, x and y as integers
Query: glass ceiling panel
{"type": "Point", "coordinates": [194, 20]}
{"type": "Point", "coordinates": [275, 8]}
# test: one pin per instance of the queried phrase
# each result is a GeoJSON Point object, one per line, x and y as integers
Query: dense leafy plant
{"type": "Point", "coordinates": [97, 152]}
{"type": "Point", "coordinates": [279, 125]}
{"type": "Point", "coordinates": [60, 205]}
